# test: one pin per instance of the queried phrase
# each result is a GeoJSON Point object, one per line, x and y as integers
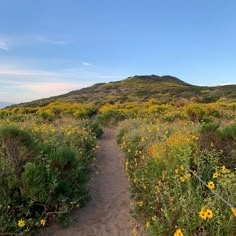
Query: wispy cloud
{"type": "Point", "coordinates": [52, 88]}
{"type": "Point", "coordinates": [27, 72]}
{"type": "Point", "coordinates": [23, 90]}
{"type": "Point", "coordinates": [20, 82]}
{"type": "Point", "coordinates": [29, 39]}
{"type": "Point", "coordinates": [86, 64]}
{"type": "Point", "coordinates": [4, 45]}
{"type": "Point", "coordinates": [49, 40]}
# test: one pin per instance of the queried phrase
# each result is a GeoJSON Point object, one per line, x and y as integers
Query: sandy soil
{"type": "Point", "coordinates": [107, 214]}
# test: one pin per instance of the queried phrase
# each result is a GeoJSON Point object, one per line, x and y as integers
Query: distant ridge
{"type": "Point", "coordinates": [141, 88]}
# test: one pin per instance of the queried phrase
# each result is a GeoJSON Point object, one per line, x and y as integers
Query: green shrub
{"type": "Point", "coordinates": [110, 117]}
{"type": "Point", "coordinates": [44, 170]}
{"type": "Point", "coordinates": [93, 126]}
{"type": "Point", "coordinates": [194, 112]}
{"type": "Point", "coordinates": [229, 132]}
{"type": "Point", "coordinates": [35, 183]}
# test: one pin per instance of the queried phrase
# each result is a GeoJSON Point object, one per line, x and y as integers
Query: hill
{"type": "Point", "coordinates": [140, 89]}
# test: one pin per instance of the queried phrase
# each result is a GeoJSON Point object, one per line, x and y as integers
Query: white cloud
{"type": "Point", "coordinates": [4, 45]}
{"type": "Point", "coordinates": [86, 64]}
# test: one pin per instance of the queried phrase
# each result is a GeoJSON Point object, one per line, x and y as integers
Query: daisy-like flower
{"type": "Point", "coordinates": [211, 185]}
{"type": "Point", "coordinates": [140, 203]}
{"type": "Point", "coordinates": [209, 213]}
{"type": "Point", "coordinates": [202, 214]}
{"type": "Point", "coordinates": [215, 175]}
{"type": "Point", "coordinates": [182, 179]}
{"type": "Point", "coordinates": [223, 169]}
{"type": "Point", "coordinates": [178, 232]}
{"type": "Point", "coordinates": [21, 223]}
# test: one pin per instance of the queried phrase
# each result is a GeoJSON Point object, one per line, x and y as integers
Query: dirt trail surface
{"type": "Point", "coordinates": [107, 213]}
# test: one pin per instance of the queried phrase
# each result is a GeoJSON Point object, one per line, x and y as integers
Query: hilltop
{"type": "Point", "coordinates": [141, 89]}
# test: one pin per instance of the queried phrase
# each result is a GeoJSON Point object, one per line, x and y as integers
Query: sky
{"type": "Point", "coordinates": [51, 47]}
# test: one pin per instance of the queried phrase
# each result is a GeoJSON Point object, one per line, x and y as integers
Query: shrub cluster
{"type": "Point", "coordinates": [43, 171]}
{"type": "Point", "coordinates": [175, 182]}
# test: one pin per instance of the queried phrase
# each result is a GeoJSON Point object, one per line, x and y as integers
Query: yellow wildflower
{"type": "Point", "coordinates": [209, 213]}
{"type": "Point", "coordinates": [215, 175]}
{"type": "Point", "coordinates": [134, 231]}
{"type": "Point", "coordinates": [140, 203]}
{"type": "Point", "coordinates": [203, 214]}
{"type": "Point", "coordinates": [148, 224]}
{"type": "Point", "coordinates": [182, 179]}
{"type": "Point", "coordinates": [21, 223]}
{"type": "Point", "coordinates": [42, 222]}
{"type": "Point", "coordinates": [187, 176]}
{"type": "Point", "coordinates": [178, 232]}
{"type": "Point", "coordinates": [223, 169]}
{"type": "Point", "coordinates": [176, 171]}
{"type": "Point", "coordinates": [211, 185]}
{"type": "Point", "coordinates": [234, 211]}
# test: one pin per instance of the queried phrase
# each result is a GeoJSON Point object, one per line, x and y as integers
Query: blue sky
{"type": "Point", "coordinates": [50, 47]}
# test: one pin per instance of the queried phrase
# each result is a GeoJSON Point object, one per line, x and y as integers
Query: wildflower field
{"type": "Point", "coordinates": [45, 154]}
{"type": "Point", "coordinates": [180, 162]}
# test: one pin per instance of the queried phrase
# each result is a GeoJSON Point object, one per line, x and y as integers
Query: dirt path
{"type": "Point", "coordinates": [107, 214]}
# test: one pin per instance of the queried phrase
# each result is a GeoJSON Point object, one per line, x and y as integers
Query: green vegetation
{"type": "Point", "coordinates": [180, 170]}
{"type": "Point", "coordinates": [179, 141]}
{"type": "Point", "coordinates": [142, 88]}
{"type": "Point", "coordinates": [44, 166]}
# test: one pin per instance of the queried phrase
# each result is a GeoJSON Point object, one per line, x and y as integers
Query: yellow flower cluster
{"type": "Point", "coordinates": [182, 173]}
{"type": "Point", "coordinates": [205, 214]}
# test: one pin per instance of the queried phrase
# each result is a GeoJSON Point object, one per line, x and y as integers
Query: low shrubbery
{"type": "Point", "coordinates": [175, 182]}
{"type": "Point", "coordinates": [43, 171]}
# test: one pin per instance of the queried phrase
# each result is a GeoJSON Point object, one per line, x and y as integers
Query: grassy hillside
{"type": "Point", "coordinates": [142, 88]}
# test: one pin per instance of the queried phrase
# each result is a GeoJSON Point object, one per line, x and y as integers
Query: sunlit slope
{"type": "Point", "coordinates": [143, 88]}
